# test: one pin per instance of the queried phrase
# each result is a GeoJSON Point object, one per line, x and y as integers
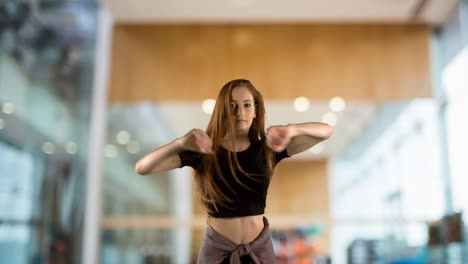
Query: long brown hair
{"type": "Point", "coordinates": [221, 128]}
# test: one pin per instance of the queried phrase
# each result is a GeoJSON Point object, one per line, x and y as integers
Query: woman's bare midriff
{"type": "Point", "coordinates": [240, 230]}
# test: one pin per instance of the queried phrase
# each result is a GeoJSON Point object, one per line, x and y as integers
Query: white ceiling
{"type": "Point", "coordinates": [156, 124]}
{"type": "Point", "coordinates": [280, 11]}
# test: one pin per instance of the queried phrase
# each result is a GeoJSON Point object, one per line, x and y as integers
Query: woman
{"type": "Point", "coordinates": [233, 161]}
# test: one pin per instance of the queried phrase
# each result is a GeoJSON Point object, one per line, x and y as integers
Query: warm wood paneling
{"type": "Point", "coordinates": [192, 62]}
{"type": "Point", "coordinates": [299, 190]}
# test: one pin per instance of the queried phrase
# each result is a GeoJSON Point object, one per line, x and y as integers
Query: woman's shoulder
{"type": "Point", "coordinates": [258, 146]}
{"type": "Point", "coordinates": [257, 143]}
{"type": "Point", "coordinates": [190, 158]}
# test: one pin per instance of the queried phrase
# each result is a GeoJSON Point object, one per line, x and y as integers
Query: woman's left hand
{"type": "Point", "coordinates": [278, 137]}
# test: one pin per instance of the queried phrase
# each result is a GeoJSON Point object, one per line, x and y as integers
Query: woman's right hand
{"type": "Point", "coordinates": [198, 141]}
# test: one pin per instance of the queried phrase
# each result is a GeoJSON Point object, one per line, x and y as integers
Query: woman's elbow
{"type": "Point", "coordinates": [329, 132]}
{"type": "Point", "coordinates": [139, 169]}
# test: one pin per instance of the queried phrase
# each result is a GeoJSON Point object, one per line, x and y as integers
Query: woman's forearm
{"type": "Point", "coordinates": [300, 137]}
{"type": "Point", "coordinates": [314, 129]}
{"type": "Point", "coordinates": [160, 159]}
{"type": "Point", "coordinates": [167, 157]}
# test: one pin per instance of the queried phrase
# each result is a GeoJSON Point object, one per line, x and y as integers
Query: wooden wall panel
{"type": "Point", "coordinates": [298, 195]}
{"type": "Point", "coordinates": [299, 188]}
{"type": "Point", "coordinates": [192, 62]}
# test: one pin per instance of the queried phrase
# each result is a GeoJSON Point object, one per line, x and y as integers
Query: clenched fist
{"type": "Point", "coordinates": [278, 137]}
{"type": "Point", "coordinates": [198, 141]}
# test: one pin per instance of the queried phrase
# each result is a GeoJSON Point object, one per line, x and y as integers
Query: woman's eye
{"type": "Point", "coordinates": [233, 106]}
{"type": "Point", "coordinates": [247, 105]}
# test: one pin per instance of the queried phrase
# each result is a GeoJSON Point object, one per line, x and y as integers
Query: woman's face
{"type": "Point", "coordinates": [243, 108]}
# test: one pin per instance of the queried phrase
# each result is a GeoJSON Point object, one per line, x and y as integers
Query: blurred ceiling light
{"type": "Point", "coordinates": [110, 151]}
{"type": "Point", "coordinates": [133, 147]}
{"type": "Point", "coordinates": [123, 137]}
{"type": "Point", "coordinates": [301, 104]}
{"type": "Point", "coordinates": [48, 147]}
{"type": "Point", "coordinates": [329, 118]}
{"type": "Point", "coordinates": [337, 104]}
{"type": "Point", "coordinates": [71, 148]}
{"type": "Point", "coordinates": [317, 149]}
{"type": "Point", "coordinates": [208, 106]}
{"type": "Point", "coordinates": [2, 124]}
{"type": "Point", "coordinates": [8, 108]}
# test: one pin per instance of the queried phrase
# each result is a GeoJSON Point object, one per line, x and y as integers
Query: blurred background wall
{"type": "Point", "coordinates": [87, 88]}
{"type": "Point", "coordinates": [315, 61]}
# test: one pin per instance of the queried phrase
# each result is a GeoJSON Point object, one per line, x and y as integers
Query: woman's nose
{"type": "Point", "coordinates": [240, 111]}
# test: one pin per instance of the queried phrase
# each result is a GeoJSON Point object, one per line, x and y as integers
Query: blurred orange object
{"type": "Point", "coordinates": [303, 253]}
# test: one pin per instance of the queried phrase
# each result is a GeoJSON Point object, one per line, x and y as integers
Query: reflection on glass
{"type": "Point", "coordinates": [45, 84]}
{"type": "Point", "coordinates": [386, 185]}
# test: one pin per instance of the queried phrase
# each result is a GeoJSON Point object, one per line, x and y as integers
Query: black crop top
{"type": "Point", "coordinates": [245, 202]}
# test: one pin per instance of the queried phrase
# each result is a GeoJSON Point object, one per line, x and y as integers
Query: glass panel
{"type": "Point", "coordinates": [46, 66]}
{"type": "Point", "coordinates": [387, 185]}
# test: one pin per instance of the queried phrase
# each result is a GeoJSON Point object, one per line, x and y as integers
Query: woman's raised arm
{"type": "Point", "coordinates": [167, 157]}
{"type": "Point", "coordinates": [297, 138]}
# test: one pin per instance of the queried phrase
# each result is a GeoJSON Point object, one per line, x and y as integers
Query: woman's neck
{"type": "Point", "coordinates": [240, 143]}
